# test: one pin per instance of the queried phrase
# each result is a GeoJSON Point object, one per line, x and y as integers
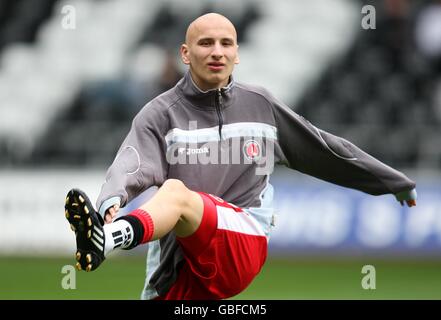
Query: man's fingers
{"type": "Point", "coordinates": [107, 218]}
{"type": "Point", "coordinates": [114, 210]}
{"type": "Point", "coordinates": [111, 213]}
{"type": "Point", "coordinates": [411, 203]}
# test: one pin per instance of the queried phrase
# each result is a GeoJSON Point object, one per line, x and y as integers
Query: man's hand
{"type": "Point", "coordinates": [111, 213]}
{"type": "Point", "coordinates": [408, 197]}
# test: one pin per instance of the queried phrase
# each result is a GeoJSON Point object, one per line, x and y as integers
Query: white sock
{"type": "Point", "coordinates": [117, 234]}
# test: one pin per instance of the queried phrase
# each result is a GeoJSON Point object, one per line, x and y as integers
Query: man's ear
{"type": "Point", "coordinates": [184, 54]}
{"type": "Point", "coordinates": [237, 59]}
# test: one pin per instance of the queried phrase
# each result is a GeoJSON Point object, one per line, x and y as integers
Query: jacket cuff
{"type": "Point", "coordinates": [109, 203]}
{"type": "Point", "coordinates": [406, 195]}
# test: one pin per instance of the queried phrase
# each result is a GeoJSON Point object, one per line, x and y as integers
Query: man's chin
{"type": "Point", "coordinates": [213, 80]}
{"type": "Point", "coordinates": [219, 80]}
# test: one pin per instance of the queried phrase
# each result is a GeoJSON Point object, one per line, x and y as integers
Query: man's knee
{"type": "Point", "coordinates": [176, 188]}
{"type": "Point", "coordinates": [174, 185]}
{"type": "Point", "coordinates": [188, 203]}
{"type": "Point", "coordinates": [179, 194]}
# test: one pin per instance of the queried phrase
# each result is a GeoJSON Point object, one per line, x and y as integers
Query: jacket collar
{"type": "Point", "coordinates": [204, 99]}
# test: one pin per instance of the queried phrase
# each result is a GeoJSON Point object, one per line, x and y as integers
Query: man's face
{"type": "Point", "coordinates": [211, 50]}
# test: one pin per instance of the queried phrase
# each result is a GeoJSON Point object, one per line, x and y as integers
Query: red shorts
{"type": "Point", "coordinates": [223, 256]}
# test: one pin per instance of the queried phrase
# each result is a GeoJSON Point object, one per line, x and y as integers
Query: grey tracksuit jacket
{"type": "Point", "coordinates": [226, 142]}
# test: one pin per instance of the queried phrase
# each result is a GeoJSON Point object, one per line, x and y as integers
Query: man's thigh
{"type": "Point", "coordinates": [223, 256]}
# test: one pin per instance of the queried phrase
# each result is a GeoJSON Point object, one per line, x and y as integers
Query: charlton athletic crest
{"type": "Point", "coordinates": [252, 150]}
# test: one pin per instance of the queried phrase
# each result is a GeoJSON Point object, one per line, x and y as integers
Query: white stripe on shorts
{"type": "Point", "coordinates": [228, 219]}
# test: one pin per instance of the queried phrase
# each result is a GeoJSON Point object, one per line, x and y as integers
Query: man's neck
{"type": "Point", "coordinates": [204, 88]}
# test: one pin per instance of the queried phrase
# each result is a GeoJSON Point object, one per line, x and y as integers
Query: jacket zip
{"type": "Point", "coordinates": [218, 106]}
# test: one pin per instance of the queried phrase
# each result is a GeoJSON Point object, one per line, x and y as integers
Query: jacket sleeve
{"type": "Point", "coordinates": [325, 156]}
{"type": "Point", "coordinates": [139, 163]}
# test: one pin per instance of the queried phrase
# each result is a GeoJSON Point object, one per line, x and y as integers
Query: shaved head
{"type": "Point", "coordinates": [206, 21]}
{"type": "Point", "coordinates": [211, 50]}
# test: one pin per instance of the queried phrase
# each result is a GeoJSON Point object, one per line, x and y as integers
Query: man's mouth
{"type": "Point", "coordinates": [216, 66]}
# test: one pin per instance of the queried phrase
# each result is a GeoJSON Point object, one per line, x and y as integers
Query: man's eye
{"type": "Point", "coordinates": [205, 43]}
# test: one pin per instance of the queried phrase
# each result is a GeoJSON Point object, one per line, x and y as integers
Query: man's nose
{"type": "Point", "coordinates": [217, 51]}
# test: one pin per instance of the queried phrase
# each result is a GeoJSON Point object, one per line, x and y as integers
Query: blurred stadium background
{"type": "Point", "coordinates": [67, 97]}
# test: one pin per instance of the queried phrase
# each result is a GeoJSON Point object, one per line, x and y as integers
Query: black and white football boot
{"type": "Point", "coordinates": [88, 227]}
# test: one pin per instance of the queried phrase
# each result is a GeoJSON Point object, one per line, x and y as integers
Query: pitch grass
{"type": "Point", "coordinates": [123, 278]}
